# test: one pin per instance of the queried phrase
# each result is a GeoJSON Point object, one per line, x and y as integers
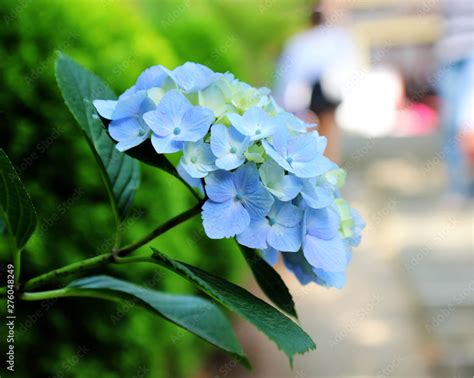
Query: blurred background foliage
{"type": "Point", "coordinates": [116, 40]}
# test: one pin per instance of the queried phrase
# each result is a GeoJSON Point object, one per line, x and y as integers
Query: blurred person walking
{"type": "Point", "coordinates": [455, 51]}
{"type": "Point", "coordinates": [312, 71]}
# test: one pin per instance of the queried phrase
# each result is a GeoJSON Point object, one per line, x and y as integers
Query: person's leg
{"type": "Point", "coordinates": [328, 128]}
{"type": "Point", "coordinates": [325, 109]}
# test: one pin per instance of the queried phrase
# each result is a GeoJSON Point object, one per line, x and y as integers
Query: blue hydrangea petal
{"type": "Point", "coordinates": [330, 279]}
{"type": "Point", "coordinates": [159, 122]}
{"type": "Point", "coordinates": [127, 144]}
{"type": "Point", "coordinates": [291, 122]}
{"type": "Point", "coordinates": [322, 223]}
{"type": "Point", "coordinates": [230, 161]}
{"type": "Point", "coordinates": [305, 273]}
{"type": "Point", "coordinates": [287, 215]}
{"type": "Point", "coordinates": [220, 140]}
{"type": "Point", "coordinates": [166, 144]}
{"type": "Point", "coordinates": [128, 92]}
{"type": "Point", "coordinates": [202, 151]}
{"type": "Point", "coordinates": [359, 225]}
{"type": "Point", "coordinates": [304, 147]}
{"type": "Point", "coordinates": [284, 187]}
{"type": "Point", "coordinates": [193, 182]}
{"type": "Point", "coordinates": [255, 235]}
{"type": "Point", "coordinates": [193, 77]}
{"type": "Point", "coordinates": [270, 255]}
{"type": "Point", "coordinates": [128, 132]}
{"type": "Point", "coordinates": [151, 77]}
{"type": "Point", "coordinates": [299, 155]}
{"type": "Point", "coordinates": [328, 255]}
{"type": "Point", "coordinates": [198, 159]}
{"type": "Point", "coordinates": [285, 239]}
{"type": "Point", "coordinates": [297, 264]}
{"type": "Point", "coordinates": [237, 122]}
{"type": "Point", "coordinates": [315, 196]}
{"type": "Point", "coordinates": [311, 168]}
{"type": "Point", "coordinates": [195, 124]}
{"type": "Point", "coordinates": [246, 179]}
{"type": "Point", "coordinates": [254, 123]}
{"type": "Point", "coordinates": [224, 219]}
{"type": "Point", "coordinates": [193, 170]}
{"type": "Point", "coordinates": [237, 140]}
{"type": "Point", "coordinates": [133, 106]}
{"type": "Point", "coordinates": [105, 108]}
{"type": "Point", "coordinates": [277, 157]}
{"type": "Point", "coordinates": [220, 186]}
{"type": "Point", "coordinates": [259, 202]}
{"type": "Point", "coordinates": [322, 144]}
{"type": "Point", "coordinates": [228, 145]}
{"type": "Point", "coordinates": [168, 114]}
{"type": "Point", "coordinates": [288, 188]}
{"type": "Point", "coordinates": [280, 142]}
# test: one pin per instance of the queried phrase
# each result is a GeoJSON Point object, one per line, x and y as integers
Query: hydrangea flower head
{"type": "Point", "coordinates": [262, 173]}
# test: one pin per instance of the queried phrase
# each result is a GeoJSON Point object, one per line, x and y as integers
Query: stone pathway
{"type": "Point", "coordinates": [407, 308]}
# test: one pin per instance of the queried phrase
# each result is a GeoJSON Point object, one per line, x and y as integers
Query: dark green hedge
{"type": "Point", "coordinates": [83, 338]}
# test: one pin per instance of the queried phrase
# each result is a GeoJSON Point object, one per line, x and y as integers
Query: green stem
{"type": "Point", "coordinates": [68, 270]}
{"type": "Point", "coordinates": [118, 236]}
{"type": "Point", "coordinates": [160, 230]}
{"type": "Point", "coordinates": [67, 292]}
{"type": "Point", "coordinates": [109, 257]}
{"type": "Point", "coordinates": [135, 259]}
{"type": "Point", "coordinates": [17, 265]}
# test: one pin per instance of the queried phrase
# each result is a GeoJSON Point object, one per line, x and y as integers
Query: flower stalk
{"type": "Point", "coordinates": [107, 258]}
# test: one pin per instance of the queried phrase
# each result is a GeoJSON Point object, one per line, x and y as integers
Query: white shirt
{"type": "Point", "coordinates": [311, 56]}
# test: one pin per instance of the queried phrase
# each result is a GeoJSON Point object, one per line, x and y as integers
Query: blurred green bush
{"type": "Point", "coordinates": [116, 40]}
{"type": "Point", "coordinates": [48, 150]}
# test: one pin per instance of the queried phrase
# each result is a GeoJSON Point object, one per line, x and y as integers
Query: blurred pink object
{"type": "Point", "coordinates": [416, 119]}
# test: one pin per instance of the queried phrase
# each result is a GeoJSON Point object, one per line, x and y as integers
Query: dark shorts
{"type": "Point", "coordinates": [320, 103]}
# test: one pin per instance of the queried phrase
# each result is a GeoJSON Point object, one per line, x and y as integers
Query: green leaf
{"type": "Point", "coordinates": [120, 172]}
{"type": "Point", "coordinates": [287, 335]}
{"type": "Point", "coordinates": [2, 226]}
{"type": "Point", "coordinates": [195, 314]}
{"type": "Point", "coordinates": [145, 153]}
{"type": "Point", "coordinates": [269, 281]}
{"type": "Point", "coordinates": [16, 209]}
